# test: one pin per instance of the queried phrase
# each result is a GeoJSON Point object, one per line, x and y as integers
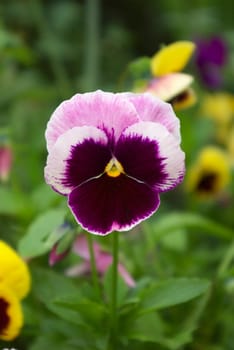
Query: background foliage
{"type": "Point", "coordinates": [47, 54]}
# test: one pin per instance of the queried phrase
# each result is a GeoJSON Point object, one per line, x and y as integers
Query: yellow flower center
{"type": "Point", "coordinates": [114, 168]}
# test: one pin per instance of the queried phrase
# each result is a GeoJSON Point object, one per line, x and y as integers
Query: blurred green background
{"type": "Point", "coordinates": [50, 50]}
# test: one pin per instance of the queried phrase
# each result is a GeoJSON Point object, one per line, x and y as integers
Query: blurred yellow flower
{"type": "Point", "coordinates": [210, 173]}
{"type": "Point", "coordinates": [11, 317]}
{"type": "Point", "coordinates": [14, 271]}
{"type": "Point", "coordinates": [230, 145]}
{"type": "Point", "coordinates": [220, 108]}
{"type": "Point", "coordinates": [15, 283]}
{"type": "Point", "coordinates": [168, 84]}
{"type": "Point", "coordinates": [175, 89]}
{"type": "Point", "coordinates": [172, 58]}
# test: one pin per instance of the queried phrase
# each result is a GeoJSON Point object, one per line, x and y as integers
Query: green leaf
{"type": "Point", "coordinates": [53, 341]}
{"type": "Point", "coordinates": [150, 328]}
{"type": "Point", "coordinates": [37, 240]}
{"type": "Point", "coordinates": [140, 66]}
{"type": "Point", "coordinates": [171, 292]}
{"type": "Point", "coordinates": [59, 334]}
{"type": "Point", "coordinates": [89, 310]}
{"type": "Point", "coordinates": [55, 286]}
{"type": "Point", "coordinates": [49, 285]}
{"type": "Point", "coordinates": [176, 221]}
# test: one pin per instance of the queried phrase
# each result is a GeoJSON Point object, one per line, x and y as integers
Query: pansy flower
{"type": "Point", "coordinates": [210, 174]}
{"type": "Point", "coordinates": [211, 56]}
{"type": "Point", "coordinates": [112, 155]}
{"type": "Point", "coordinates": [14, 286]}
{"type": "Point", "coordinates": [103, 261]}
{"type": "Point", "coordinates": [169, 83]}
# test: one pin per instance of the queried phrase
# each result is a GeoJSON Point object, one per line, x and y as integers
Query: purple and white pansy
{"type": "Point", "coordinates": [111, 155]}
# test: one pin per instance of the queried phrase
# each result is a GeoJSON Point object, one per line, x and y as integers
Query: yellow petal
{"type": "Point", "coordinates": [11, 316]}
{"type": "Point", "coordinates": [172, 58]}
{"type": "Point", "coordinates": [218, 106]}
{"type": "Point", "coordinates": [210, 173]}
{"type": "Point", "coordinates": [14, 271]}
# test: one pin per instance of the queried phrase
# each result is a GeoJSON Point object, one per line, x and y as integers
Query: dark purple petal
{"type": "Point", "coordinates": [218, 51]}
{"type": "Point", "coordinates": [87, 160]}
{"type": "Point", "coordinates": [140, 159]}
{"type": "Point", "coordinates": [106, 204]}
{"type": "Point", "coordinates": [211, 51]}
{"type": "Point", "coordinates": [211, 76]}
{"type": "Point", "coordinates": [5, 318]}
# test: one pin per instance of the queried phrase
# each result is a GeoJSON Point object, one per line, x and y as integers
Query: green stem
{"type": "Point", "coordinates": [226, 261]}
{"type": "Point", "coordinates": [93, 266]}
{"type": "Point", "coordinates": [114, 314]}
{"type": "Point", "coordinates": [91, 52]}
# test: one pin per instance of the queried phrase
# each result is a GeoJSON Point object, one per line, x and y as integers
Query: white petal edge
{"type": "Point", "coordinates": [169, 149]}
{"type": "Point", "coordinates": [60, 153]}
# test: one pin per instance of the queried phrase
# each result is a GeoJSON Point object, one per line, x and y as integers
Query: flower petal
{"type": "Point", "coordinates": [11, 319]}
{"type": "Point", "coordinates": [149, 153]}
{"type": "Point", "coordinates": [151, 108]}
{"type": "Point", "coordinates": [14, 272]}
{"type": "Point", "coordinates": [169, 86]}
{"type": "Point", "coordinates": [78, 155]}
{"type": "Point", "coordinates": [126, 276]}
{"type": "Point", "coordinates": [105, 110]}
{"type": "Point", "coordinates": [106, 204]}
{"type": "Point", "coordinates": [172, 58]}
{"type": "Point", "coordinates": [81, 248]}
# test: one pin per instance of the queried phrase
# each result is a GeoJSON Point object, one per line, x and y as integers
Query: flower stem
{"type": "Point", "coordinates": [114, 289]}
{"type": "Point", "coordinates": [91, 50]}
{"type": "Point", "coordinates": [93, 266]}
{"type": "Point", "coordinates": [226, 261]}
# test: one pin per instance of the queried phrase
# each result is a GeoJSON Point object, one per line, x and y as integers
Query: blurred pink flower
{"type": "Point", "coordinates": [6, 158]}
{"type": "Point", "coordinates": [55, 257]}
{"type": "Point", "coordinates": [103, 261]}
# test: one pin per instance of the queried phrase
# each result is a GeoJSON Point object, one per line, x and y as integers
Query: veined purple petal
{"type": "Point", "coordinates": [104, 110]}
{"type": "Point", "coordinates": [156, 159]}
{"type": "Point", "coordinates": [106, 204]}
{"type": "Point", "coordinates": [140, 158]}
{"type": "Point", "coordinates": [78, 155]}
